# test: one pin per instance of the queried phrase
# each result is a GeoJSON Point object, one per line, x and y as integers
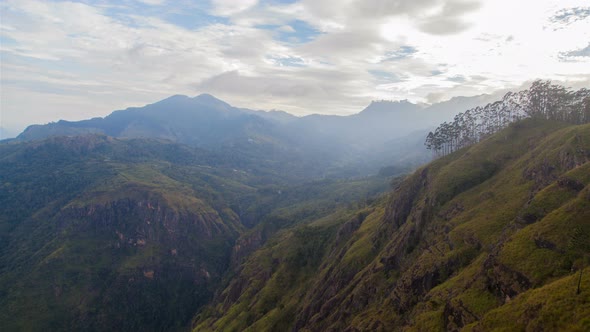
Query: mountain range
{"type": "Point", "coordinates": [190, 214]}
{"type": "Point", "coordinates": [313, 146]}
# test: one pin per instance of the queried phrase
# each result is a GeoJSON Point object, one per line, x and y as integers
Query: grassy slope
{"type": "Point", "coordinates": [495, 227]}
{"type": "Point", "coordinates": [105, 233]}
{"type": "Point", "coordinates": [269, 287]}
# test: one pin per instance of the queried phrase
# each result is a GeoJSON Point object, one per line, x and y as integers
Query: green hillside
{"type": "Point", "coordinates": [492, 236]}
{"type": "Point", "coordinates": [100, 233]}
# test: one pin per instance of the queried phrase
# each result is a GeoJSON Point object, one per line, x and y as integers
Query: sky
{"type": "Point", "coordinates": [75, 60]}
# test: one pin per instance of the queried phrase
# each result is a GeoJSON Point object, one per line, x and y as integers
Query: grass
{"type": "Point", "coordinates": [453, 229]}
{"type": "Point", "coordinates": [545, 250]}
{"type": "Point", "coordinates": [362, 251]}
{"type": "Point", "coordinates": [518, 200]}
{"type": "Point", "coordinates": [552, 307]}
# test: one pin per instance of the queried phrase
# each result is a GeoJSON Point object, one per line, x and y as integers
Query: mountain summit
{"type": "Point", "coordinates": [381, 107]}
{"type": "Point", "coordinates": [358, 145]}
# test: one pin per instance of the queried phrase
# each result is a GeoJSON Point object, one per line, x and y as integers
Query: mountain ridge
{"type": "Point", "coordinates": [316, 145]}
{"type": "Point", "coordinates": [206, 98]}
{"type": "Point", "coordinates": [141, 233]}
{"type": "Point", "coordinates": [435, 254]}
{"type": "Point", "coordinates": [109, 233]}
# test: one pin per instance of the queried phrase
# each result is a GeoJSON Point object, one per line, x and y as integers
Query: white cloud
{"type": "Point", "coordinates": [153, 2]}
{"type": "Point", "coordinates": [56, 54]}
{"type": "Point", "coordinates": [231, 7]}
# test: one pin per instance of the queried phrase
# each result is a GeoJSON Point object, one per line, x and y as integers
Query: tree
{"type": "Point", "coordinates": [541, 100]}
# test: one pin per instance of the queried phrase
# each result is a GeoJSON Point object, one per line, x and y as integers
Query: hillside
{"type": "Point", "coordinates": [294, 166]}
{"type": "Point", "coordinates": [254, 231]}
{"type": "Point", "coordinates": [99, 233]}
{"type": "Point", "coordinates": [103, 228]}
{"type": "Point", "coordinates": [492, 236]}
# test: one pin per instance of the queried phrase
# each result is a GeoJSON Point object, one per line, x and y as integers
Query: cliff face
{"type": "Point", "coordinates": [498, 228]}
{"type": "Point", "coordinates": [101, 233]}
{"type": "Point", "coordinates": [146, 259]}
{"type": "Point", "coordinates": [109, 234]}
{"type": "Point", "coordinates": [101, 236]}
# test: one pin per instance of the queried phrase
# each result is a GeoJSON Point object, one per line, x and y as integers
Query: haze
{"type": "Point", "coordinates": [78, 60]}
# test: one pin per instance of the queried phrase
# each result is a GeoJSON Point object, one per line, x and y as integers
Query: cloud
{"type": "Point", "coordinates": [234, 83]}
{"type": "Point", "coordinates": [582, 52]}
{"type": "Point", "coordinates": [570, 15]}
{"type": "Point", "coordinates": [350, 42]}
{"type": "Point", "coordinates": [310, 91]}
{"type": "Point", "coordinates": [457, 78]}
{"type": "Point", "coordinates": [378, 8]}
{"type": "Point", "coordinates": [302, 56]}
{"type": "Point", "coordinates": [289, 61]}
{"type": "Point", "coordinates": [443, 26]}
{"type": "Point", "coordinates": [401, 53]}
{"type": "Point", "coordinates": [231, 7]}
{"type": "Point", "coordinates": [432, 16]}
{"type": "Point", "coordinates": [384, 76]}
{"type": "Point", "coordinates": [153, 2]}
{"type": "Point", "coordinates": [449, 20]}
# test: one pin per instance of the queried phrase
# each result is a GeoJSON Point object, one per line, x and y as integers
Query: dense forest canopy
{"type": "Point", "coordinates": [542, 100]}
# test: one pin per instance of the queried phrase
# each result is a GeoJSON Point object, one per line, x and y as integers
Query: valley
{"type": "Point", "coordinates": [191, 214]}
{"type": "Point", "coordinates": [295, 166]}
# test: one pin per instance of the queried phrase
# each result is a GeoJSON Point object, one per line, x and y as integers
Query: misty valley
{"type": "Point", "coordinates": [190, 214]}
{"type": "Point", "coordinates": [295, 165]}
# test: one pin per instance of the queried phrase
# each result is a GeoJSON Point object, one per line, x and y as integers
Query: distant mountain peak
{"type": "Point", "coordinates": [208, 99]}
{"type": "Point", "coordinates": [386, 106]}
{"type": "Point", "coordinates": [203, 99]}
{"type": "Point", "coordinates": [174, 98]}
{"type": "Point", "coordinates": [205, 96]}
{"type": "Point", "coordinates": [170, 101]}
{"type": "Point", "coordinates": [385, 101]}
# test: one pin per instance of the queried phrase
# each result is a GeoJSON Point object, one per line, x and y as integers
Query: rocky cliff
{"type": "Point", "coordinates": [498, 228]}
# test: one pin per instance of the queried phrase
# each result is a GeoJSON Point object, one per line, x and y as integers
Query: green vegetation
{"type": "Point", "coordinates": [140, 234]}
{"type": "Point", "coordinates": [135, 234]}
{"type": "Point", "coordinates": [498, 229]}
{"type": "Point", "coordinates": [542, 100]}
{"type": "Point", "coordinates": [552, 307]}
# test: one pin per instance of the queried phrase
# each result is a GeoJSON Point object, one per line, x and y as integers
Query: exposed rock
{"type": "Point", "coordinates": [572, 184]}
{"type": "Point", "coordinates": [148, 274]}
{"type": "Point", "coordinates": [503, 281]}
{"type": "Point", "coordinates": [350, 226]}
{"type": "Point", "coordinates": [245, 245]}
{"type": "Point", "coordinates": [456, 316]}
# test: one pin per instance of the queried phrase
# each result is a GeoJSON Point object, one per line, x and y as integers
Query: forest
{"type": "Point", "coordinates": [542, 100]}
